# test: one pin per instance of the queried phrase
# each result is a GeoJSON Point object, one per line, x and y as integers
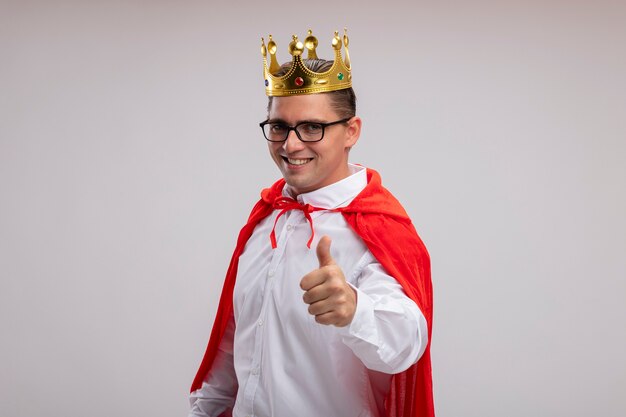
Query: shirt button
{"type": "Point", "coordinates": [289, 227]}
{"type": "Point", "coordinates": [270, 273]}
{"type": "Point", "coordinates": [255, 371]}
{"type": "Point", "coordinates": [260, 322]}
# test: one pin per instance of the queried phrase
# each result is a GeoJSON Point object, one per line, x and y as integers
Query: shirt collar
{"type": "Point", "coordinates": [338, 194]}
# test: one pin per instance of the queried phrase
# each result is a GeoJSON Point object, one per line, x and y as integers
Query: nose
{"type": "Point", "coordinates": [292, 144]}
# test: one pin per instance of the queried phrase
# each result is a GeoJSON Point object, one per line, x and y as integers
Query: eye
{"type": "Point", "coordinates": [311, 128]}
{"type": "Point", "coordinates": [277, 128]}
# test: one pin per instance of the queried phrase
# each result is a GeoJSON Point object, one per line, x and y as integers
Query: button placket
{"type": "Point", "coordinates": [291, 219]}
{"type": "Point", "coordinates": [277, 256]}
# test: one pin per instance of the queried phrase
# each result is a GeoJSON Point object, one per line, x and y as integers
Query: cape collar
{"type": "Point", "coordinates": [374, 198]}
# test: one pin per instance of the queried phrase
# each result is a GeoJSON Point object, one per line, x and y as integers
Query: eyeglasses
{"type": "Point", "coordinates": [306, 131]}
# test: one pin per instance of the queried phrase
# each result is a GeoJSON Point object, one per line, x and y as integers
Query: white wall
{"type": "Point", "coordinates": [130, 156]}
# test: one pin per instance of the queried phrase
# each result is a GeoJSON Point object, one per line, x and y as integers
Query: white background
{"type": "Point", "coordinates": [130, 156]}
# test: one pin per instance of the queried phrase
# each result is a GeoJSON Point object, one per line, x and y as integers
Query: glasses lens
{"type": "Point", "coordinates": [275, 132]}
{"type": "Point", "coordinates": [311, 132]}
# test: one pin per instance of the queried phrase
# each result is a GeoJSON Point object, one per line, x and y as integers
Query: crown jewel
{"type": "Point", "coordinates": [299, 79]}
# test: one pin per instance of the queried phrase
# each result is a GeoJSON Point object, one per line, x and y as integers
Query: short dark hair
{"type": "Point", "coordinates": [342, 101]}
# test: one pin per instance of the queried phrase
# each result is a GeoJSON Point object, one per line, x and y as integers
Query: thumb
{"type": "Point", "coordinates": [323, 252]}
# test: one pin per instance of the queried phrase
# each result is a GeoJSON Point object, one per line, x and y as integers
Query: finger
{"type": "Point", "coordinates": [321, 307]}
{"type": "Point", "coordinates": [334, 317]}
{"type": "Point", "coordinates": [312, 279]}
{"type": "Point", "coordinates": [326, 318]}
{"type": "Point", "coordinates": [323, 252]}
{"type": "Point", "coordinates": [315, 294]}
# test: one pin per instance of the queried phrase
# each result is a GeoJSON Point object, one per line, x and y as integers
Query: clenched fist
{"type": "Point", "coordinates": [331, 300]}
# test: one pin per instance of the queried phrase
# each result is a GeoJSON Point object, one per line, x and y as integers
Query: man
{"type": "Point", "coordinates": [327, 304]}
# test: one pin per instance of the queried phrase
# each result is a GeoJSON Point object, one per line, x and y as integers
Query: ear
{"type": "Point", "coordinates": [353, 132]}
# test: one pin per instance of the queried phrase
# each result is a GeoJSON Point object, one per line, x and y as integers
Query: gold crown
{"type": "Point", "coordinates": [299, 79]}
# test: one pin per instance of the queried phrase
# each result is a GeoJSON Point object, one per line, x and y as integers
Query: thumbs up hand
{"type": "Point", "coordinates": [331, 300]}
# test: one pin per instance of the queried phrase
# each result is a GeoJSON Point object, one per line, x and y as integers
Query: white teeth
{"type": "Point", "coordinates": [297, 161]}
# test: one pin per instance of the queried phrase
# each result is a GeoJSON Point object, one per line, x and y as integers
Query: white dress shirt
{"type": "Point", "coordinates": [274, 359]}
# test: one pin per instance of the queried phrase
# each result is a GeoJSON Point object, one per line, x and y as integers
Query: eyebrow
{"type": "Point", "coordinates": [277, 120]}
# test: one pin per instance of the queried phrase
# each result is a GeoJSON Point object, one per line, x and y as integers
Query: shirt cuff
{"type": "Point", "coordinates": [363, 325]}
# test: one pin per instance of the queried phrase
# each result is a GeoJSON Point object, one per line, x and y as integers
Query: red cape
{"type": "Point", "coordinates": [379, 219]}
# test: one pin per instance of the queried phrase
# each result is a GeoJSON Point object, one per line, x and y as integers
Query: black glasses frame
{"type": "Point", "coordinates": [295, 129]}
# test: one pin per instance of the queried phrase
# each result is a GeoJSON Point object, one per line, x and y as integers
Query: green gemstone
{"type": "Point", "coordinates": [340, 76]}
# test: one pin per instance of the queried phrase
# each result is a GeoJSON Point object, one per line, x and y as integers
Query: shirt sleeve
{"type": "Point", "coordinates": [219, 388]}
{"type": "Point", "coordinates": [388, 332]}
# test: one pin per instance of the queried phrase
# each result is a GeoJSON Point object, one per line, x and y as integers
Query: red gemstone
{"type": "Point", "coordinates": [299, 81]}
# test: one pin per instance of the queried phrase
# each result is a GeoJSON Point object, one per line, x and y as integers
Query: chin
{"type": "Point", "coordinates": [302, 186]}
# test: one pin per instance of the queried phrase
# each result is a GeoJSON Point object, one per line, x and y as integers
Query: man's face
{"type": "Point", "coordinates": [312, 165]}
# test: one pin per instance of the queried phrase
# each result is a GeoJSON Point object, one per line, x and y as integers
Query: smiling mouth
{"type": "Point", "coordinates": [293, 161]}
